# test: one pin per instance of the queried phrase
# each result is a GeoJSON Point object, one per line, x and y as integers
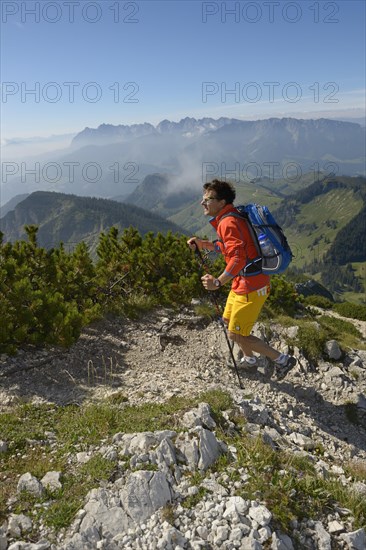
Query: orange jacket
{"type": "Point", "coordinates": [238, 248]}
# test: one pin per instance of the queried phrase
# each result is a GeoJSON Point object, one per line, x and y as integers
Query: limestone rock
{"type": "Point", "coordinates": [19, 525]}
{"type": "Point", "coordinates": [209, 448]}
{"type": "Point", "coordinates": [292, 332]}
{"type": "Point", "coordinates": [356, 540]}
{"type": "Point", "coordinates": [144, 493]}
{"type": "Point", "coordinates": [302, 441]}
{"type": "Point", "coordinates": [281, 541]}
{"type": "Point", "coordinates": [335, 527]}
{"type": "Point", "coordinates": [130, 508]}
{"type": "Point", "coordinates": [187, 445]}
{"type": "Point", "coordinates": [260, 514]}
{"type": "Point", "coordinates": [83, 457]}
{"type": "Point", "coordinates": [254, 411]}
{"type": "Point", "coordinates": [323, 537]}
{"type": "Point", "coordinates": [201, 416]}
{"type": "Point", "coordinates": [51, 481]}
{"type": "Point", "coordinates": [103, 514]}
{"type": "Point", "coordinates": [3, 539]}
{"type": "Point", "coordinates": [361, 401]}
{"type": "Point", "coordinates": [333, 350]}
{"type": "Point", "coordinates": [30, 484]}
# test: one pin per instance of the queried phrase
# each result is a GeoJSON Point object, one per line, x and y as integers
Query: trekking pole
{"type": "Point", "coordinates": [221, 321]}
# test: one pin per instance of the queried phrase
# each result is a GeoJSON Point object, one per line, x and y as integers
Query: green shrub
{"type": "Point", "coordinates": [318, 301]}
{"type": "Point", "coordinates": [47, 296]}
{"type": "Point", "coordinates": [353, 311]}
{"type": "Point", "coordinates": [283, 297]}
{"type": "Point", "coordinates": [311, 340]}
{"type": "Point", "coordinates": [335, 327]}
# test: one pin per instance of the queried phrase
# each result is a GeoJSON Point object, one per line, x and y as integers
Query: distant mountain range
{"type": "Point", "coordinates": [71, 219]}
{"type": "Point", "coordinates": [108, 133]}
{"type": "Point", "coordinates": [112, 161]}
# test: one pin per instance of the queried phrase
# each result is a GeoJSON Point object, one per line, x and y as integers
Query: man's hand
{"type": "Point", "coordinates": [208, 282]}
{"type": "Point", "coordinates": [194, 242]}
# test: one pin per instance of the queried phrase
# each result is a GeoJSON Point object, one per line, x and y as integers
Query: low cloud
{"type": "Point", "coordinates": [21, 148]}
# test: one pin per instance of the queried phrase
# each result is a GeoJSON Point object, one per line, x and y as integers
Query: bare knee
{"type": "Point", "coordinates": [235, 337]}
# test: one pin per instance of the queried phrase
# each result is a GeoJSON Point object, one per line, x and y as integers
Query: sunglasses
{"type": "Point", "coordinates": [205, 201]}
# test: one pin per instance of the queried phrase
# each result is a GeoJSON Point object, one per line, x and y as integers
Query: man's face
{"type": "Point", "coordinates": [211, 204]}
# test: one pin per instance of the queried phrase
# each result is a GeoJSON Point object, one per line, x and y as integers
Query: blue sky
{"type": "Point", "coordinates": [131, 62]}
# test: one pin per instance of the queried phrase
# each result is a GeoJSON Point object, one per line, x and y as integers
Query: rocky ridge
{"type": "Point", "coordinates": [171, 354]}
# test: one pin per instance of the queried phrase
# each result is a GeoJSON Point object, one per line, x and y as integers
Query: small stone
{"type": "Point", "coordinates": [361, 401]}
{"type": "Point", "coordinates": [30, 484]}
{"type": "Point", "coordinates": [264, 533]}
{"type": "Point", "coordinates": [83, 457]}
{"type": "Point", "coordinates": [333, 350]}
{"type": "Point", "coordinates": [19, 525]}
{"type": "Point", "coordinates": [260, 514]}
{"type": "Point", "coordinates": [292, 332]}
{"type": "Point", "coordinates": [51, 481]}
{"type": "Point", "coordinates": [236, 534]}
{"type": "Point", "coordinates": [335, 527]}
{"type": "Point", "coordinates": [281, 541]}
{"type": "Point", "coordinates": [202, 532]}
{"type": "Point", "coordinates": [222, 534]}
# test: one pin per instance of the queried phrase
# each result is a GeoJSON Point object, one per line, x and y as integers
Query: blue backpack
{"type": "Point", "coordinates": [274, 252]}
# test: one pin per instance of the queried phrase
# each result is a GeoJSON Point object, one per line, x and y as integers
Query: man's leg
{"type": "Point", "coordinates": [241, 312]}
{"type": "Point", "coordinates": [244, 311]}
{"type": "Point", "coordinates": [251, 343]}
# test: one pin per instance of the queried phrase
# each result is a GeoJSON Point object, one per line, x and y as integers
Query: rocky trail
{"type": "Point", "coordinates": [179, 354]}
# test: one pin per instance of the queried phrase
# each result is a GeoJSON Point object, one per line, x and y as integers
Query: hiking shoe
{"type": "Point", "coordinates": [248, 365]}
{"type": "Point", "coordinates": [281, 369]}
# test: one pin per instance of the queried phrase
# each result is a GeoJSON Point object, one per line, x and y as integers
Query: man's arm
{"type": "Point", "coordinates": [208, 280]}
{"type": "Point", "coordinates": [234, 233]}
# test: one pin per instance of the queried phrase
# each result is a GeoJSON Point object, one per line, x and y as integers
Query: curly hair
{"type": "Point", "coordinates": [223, 189]}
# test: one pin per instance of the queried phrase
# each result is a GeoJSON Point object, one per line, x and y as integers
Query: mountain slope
{"type": "Point", "coordinates": [315, 217]}
{"type": "Point", "coordinates": [350, 243]}
{"type": "Point", "coordinates": [71, 219]}
{"type": "Point", "coordinates": [10, 205]}
{"type": "Point", "coordinates": [159, 193]}
{"type": "Point", "coordinates": [191, 217]}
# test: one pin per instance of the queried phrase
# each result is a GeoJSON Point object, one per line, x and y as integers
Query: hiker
{"type": "Point", "coordinates": [248, 292]}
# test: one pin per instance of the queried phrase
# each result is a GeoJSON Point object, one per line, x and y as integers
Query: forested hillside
{"type": "Point", "coordinates": [327, 223]}
{"type": "Point", "coordinates": [350, 243]}
{"type": "Point", "coordinates": [72, 219]}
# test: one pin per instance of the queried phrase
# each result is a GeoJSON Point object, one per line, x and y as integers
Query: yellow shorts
{"type": "Point", "coordinates": [242, 310]}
